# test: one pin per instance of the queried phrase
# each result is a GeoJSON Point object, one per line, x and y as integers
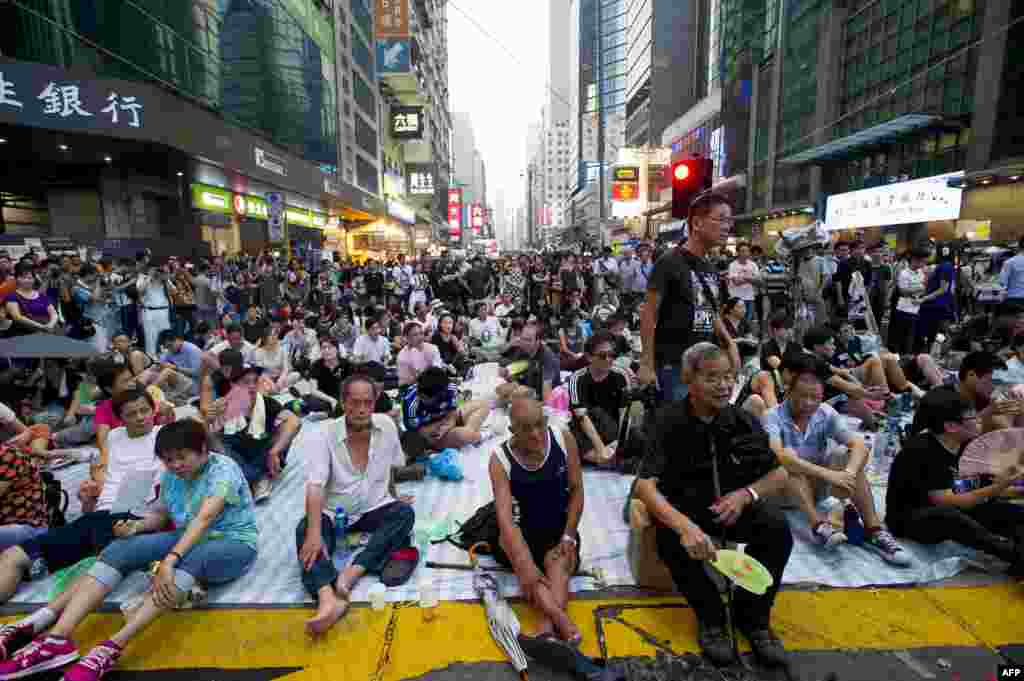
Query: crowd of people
{"type": "Point", "coordinates": [748, 410]}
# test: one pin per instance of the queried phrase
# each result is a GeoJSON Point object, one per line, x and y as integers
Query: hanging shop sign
{"type": "Point", "coordinates": [626, 174]}
{"type": "Point", "coordinates": [420, 178]}
{"type": "Point", "coordinates": [407, 122]}
{"type": "Point", "coordinates": [923, 200]}
{"type": "Point", "coordinates": [401, 212]}
{"type": "Point", "coordinates": [477, 217]}
{"type": "Point", "coordinates": [625, 191]}
{"type": "Point", "coordinates": [272, 162]}
{"type": "Point", "coordinates": [455, 210]}
{"type": "Point", "coordinates": [213, 199]}
{"type": "Point", "coordinates": [251, 207]}
{"type": "Point", "coordinates": [298, 216]}
{"type": "Point", "coordinates": [392, 19]}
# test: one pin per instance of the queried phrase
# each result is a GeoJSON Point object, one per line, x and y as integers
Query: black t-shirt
{"type": "Point", "coordinates": [770, 348]}
{"type": "Point", "coordinates": [477, 280]}
{"type": "Point", "coordinates": [254, 331]}
{"type": "Point", "coordinates": [587, 393]}
{"type": "Point", "coordinates": [446, 348]}
{"type": "Point", "coordinates": [922, 466]}
{"type": "Point", "coordinates": [687, 312]}
{"type": "Point", "coordinates": [327, 380]}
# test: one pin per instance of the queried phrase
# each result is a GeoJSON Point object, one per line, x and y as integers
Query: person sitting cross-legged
{"type": "Point", "coordinates": [799, 431]}
{"type": "Point", "coordinates": [925, 500]}
{"type": "Point", "coordinates": [430, 407]}
{"type": "Point", "coordinates": [350, 463]}
{"type": "Point", "coordinates": [596, 397]}
{"type": "Point", "coordinates": [213, 542]}
{"type": "Point", "coordinates": [538, 497]}
{"type": "Point", "coordinates": [708, 470]}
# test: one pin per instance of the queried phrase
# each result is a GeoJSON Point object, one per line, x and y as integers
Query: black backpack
{"type": "Point", "coordinates": [56, 500]}
{"type": "Point", "coordinates": [481, 527]}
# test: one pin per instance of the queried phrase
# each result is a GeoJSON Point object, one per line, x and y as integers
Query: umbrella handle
{"type": "Point", "coordinates": [481, 545]}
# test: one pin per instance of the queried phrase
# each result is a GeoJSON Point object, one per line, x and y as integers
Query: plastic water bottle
{"type": "Point", "coordinates": [853, 528]}
{"type": "Point", "coordinates": [340, 523]}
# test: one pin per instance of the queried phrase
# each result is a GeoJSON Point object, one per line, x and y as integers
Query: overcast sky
{"type": "Point", "coordinates": [503, 94]}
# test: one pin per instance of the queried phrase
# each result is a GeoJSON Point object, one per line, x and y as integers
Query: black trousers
{"type": "Point", "coordinates": [996, 527]}
{"type": "Point", "coordinates": [766, 533]}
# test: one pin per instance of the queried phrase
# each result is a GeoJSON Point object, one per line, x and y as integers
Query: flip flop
{"type": "Point", "coordinates": [400, 566]}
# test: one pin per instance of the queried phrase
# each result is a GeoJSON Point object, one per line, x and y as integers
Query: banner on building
{"type": "Point", "coordinates": [392, 19]}
{"type": "Point", "coordinates": [420, 179]}
{"type": "Point", "coordinates": [407, 122]}
{"type": "Point", "coordinates": [455, 211]}
{"type": "Point", "coordinates": [394, 56]}
{"type": "Point", "coordinates": [477, 217]}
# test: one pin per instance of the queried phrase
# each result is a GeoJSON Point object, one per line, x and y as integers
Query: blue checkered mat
{"type": "Point", "coordinates": [275, 578]}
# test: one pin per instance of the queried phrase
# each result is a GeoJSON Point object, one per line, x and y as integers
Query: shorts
{"type": "Point", "coordinates": [64, 546]}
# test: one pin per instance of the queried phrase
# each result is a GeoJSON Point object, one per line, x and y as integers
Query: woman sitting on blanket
{"type": "Point", "coordinates": [203, 494]}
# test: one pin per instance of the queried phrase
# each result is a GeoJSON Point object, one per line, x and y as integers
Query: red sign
{"type": "Point", "coordinates": [455, 212]}
{"type": "Point", "coordinates": [477, 217]}
{"type": "Point", "coordinates": [624, 191]}
{"type": "Point", "coordinates": [239, 205]}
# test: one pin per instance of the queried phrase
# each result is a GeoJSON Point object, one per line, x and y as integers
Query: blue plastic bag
{"type": "Point", "coordinates": [445, 465]}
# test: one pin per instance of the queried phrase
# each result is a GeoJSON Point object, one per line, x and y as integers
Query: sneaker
{"type": "Point", "coordinates": [885, 545]}
{"type": "Point", "coordinates": [766, 646]}
{"type": "Point", "coordinates": [14, 637]}
{"type": "Point", "coordinates": [829, 536]}
{"type": "Point", "coordinates": [93, 666]}
{"type": "Point", "coordinates": [261, 490]}
{"type": "Point", "coordinates": [715, 644]}
{"type": "Point", "coordinates": [43, 653]}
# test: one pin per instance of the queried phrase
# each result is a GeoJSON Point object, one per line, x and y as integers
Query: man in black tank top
{"type": "Point", "coordinates": [538, 498]}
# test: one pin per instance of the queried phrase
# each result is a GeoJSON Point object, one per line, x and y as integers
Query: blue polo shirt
{"type": "Point", "coordinates": [811, 444]}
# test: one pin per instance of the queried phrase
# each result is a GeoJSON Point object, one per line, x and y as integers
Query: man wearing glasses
{"type": "Point", "coordinates": [709, 467]}
{"type": "Point", "coordinates": [683, 299]}
{"type": "Point", "coordinates": [595, 399]}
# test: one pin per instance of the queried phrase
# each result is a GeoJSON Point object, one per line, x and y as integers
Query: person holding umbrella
{"type": "Point", "coordinates": [538, 497]}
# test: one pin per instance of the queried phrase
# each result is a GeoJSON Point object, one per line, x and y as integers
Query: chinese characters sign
{"type": "Point", "coordinates": [420, 179]}
{"type": "Point", "coordinates": [455, 212]}
{"type": "Point", "coordinates": [923, 200]}
{"type": "Point", "coordinates": [477, 217]}
{"type": "Point", "coordinates": [392, 19]}
{"type": "Point", "coordinates": [70, 103]}
{"type": "Point", "coordinates": [407, 122]}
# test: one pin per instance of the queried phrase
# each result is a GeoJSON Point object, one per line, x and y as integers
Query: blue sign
{"type": "Point", "coordinates": [394, 55]}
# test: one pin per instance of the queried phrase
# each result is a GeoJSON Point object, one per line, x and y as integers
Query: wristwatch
{"type": "Point", "coordinates": [571, 540]}
{"type": "Point", "coordinates": [753, 495]}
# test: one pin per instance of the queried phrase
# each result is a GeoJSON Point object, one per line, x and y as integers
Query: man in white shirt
{"type": "Point", "coordinates": [605, 267]}
{"type": "Point", "coordinates": [301, 341]}
{"type": "Point", "coordinates": [372, 347]}
{"type": "Point", "coordinates": [235, 341]}
{"type": "Point", "coordinates": [350, 464]}
{"type": "Point", "coordinates": [154, 306]}
{"type": "Point", "coordinates": [132, 455]}
{"type": "Point", "coordinates": [743, 274]}
{"type": "Point", "coordinates": [485, 327]}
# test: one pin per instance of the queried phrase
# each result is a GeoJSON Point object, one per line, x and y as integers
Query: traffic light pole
{"type": "Point", "coordinates": [600, 129]}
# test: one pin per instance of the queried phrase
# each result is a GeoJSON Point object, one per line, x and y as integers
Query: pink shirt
{"type": "Point", "coordinates": [412, 362]}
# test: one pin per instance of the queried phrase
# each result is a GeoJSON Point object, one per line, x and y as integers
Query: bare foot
{"type": "Point", "coordinates": [568, 631]}
{"type": "Point", "coordinates": [546, 628]}
{"type": "Point", "coordinates": [326, 616]}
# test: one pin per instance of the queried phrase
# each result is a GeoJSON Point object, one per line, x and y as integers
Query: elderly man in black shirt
{"type": "Point", "coordinates": [708, 470]}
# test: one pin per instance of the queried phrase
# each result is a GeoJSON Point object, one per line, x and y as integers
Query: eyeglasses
{"type": "Point", "coordinates": [605, 355]}
{"type": "Point", "coordinates": [724, 221]}
{"type": "Point", "coordinates": [712, 379]}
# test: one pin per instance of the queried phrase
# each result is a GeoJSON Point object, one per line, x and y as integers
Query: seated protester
{"type": "Point", "coordinates": [10, 425]}
{"type": "Point", "coordinates": [327, 375]}
{"type": "Point", "coordinates": [538, 499]}
{"type": "Point", "coordinates": [571, 342]}
{"type": "Point", "coordinates": [766, 388]}
{"type": "Point", "coordinates": [301, 343]}
{"type": "Point", "coordinates": [112, 380]}
{"type": "Point", "coordinates": [416, 356]}
{"type": "Point", "coordinates": [201, 335]}
{"type": "Point", "coordinates": [882, 371]}
{"type": "Point", "coordinates": [23, 510]}
{"type": "Point", "coordinates": [426, 320]}
{"type": "Point", "coordinates": [515, 332]}
{"type": "Point", "coordinates": [678, 487]}
{"type": "Point", "coordinates": [272, 356]}
{"type": "Point", "coordinates": [848, 390]}
{"type": "Point", "coordinates": [130, 451]}
{"type": "Point", "coordinates": [430, 407]}
{"type": "Point", "coordinates": [974, 384]}
{"type": "Point", "coordinates": [622, 341]}
{"type": "Point", "coordinates": [485, 329]}
{"type": "Point", "coordinates": [542, 374]}
{"type": "Point", "coordinates": [344, 331]}
{"type": "Point", "coordinates": [926, 502]}
{"type": "Point", "coordinates": [78, 427]}
{"type": "Point", "coordinates": [350, 463]}
{"type": "Point", "coordinates": [734, 317]}
{"type": "Point", "coordinates": [911, 369]}
{"type": "Point", "coordinates": [258, 438]}
{"type": "Point", "coordinates": [180, 365]}
{"type": "Point", "coordinates": [214, 542]}
{"type": "Point", "coordinates": [799, 431]}
{"type": "Point", "coordinates": [451, 347]}
{"type": "Point", "coordinates": [254, 326]}
{"type": "Point", "coordinates": [372, 348]}
{"type": "Point", "coordinates": [596, 397]}
{"type": "Point", "coordinates": [233, 341]}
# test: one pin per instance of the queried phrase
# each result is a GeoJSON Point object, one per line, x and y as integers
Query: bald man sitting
{"type": "Point", "coordinates": [538, 497]}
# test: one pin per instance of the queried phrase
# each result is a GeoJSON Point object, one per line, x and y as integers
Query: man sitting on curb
{"type": "Point", "coordinates": [350, 463]}
{"type": "Point", "coordinates": [799, 431]}
{"type": "Point", "coordinates": [538, 498]}
{"type": "Point", "coordinates": [131, 452]}
{"type": "Point", "coordinates": [709, 467]}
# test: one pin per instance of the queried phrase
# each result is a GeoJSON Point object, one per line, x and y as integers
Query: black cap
{"type": "Point", "coordinates": [981, 363]}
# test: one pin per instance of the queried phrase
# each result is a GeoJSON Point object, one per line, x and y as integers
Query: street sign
{"type": "Point", "coordinates": [275, 201]}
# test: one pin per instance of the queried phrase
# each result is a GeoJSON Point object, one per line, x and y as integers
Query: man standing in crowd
{"type": "Point", "coordinates": [714, 486]}
{"type": "Point", "coordinates": [682, 305]}
{"type": "Point", "coordinates": [743, 276]}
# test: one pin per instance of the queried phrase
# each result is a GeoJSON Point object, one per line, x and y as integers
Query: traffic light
{"type": "Point", "coordinates": [689, 178]}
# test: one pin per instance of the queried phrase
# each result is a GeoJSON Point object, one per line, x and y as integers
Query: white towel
{"type": "Point", "coordinates": [257, 423]}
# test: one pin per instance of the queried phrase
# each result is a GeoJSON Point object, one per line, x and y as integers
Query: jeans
{"type": "Point", "coordinates": [252, 460]}
{"type": "Point", "coordinates": [769, 540]}
{"type": "Point", "coordinates": [87, 535]}
{"type": "Point", "coordinates": [670, 382]}
{"type": "Point", "coordinates": [996, 527]}
{"type": "Point", "coordinates": [389, 527]}
{"type": "Point", "coordinates": [12, 535]}
{"type": "Point", "coordinates": [215, 561]}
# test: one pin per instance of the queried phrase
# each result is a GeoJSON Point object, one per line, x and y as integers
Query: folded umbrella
{"type": "Point", "coordinates": [501, 620]}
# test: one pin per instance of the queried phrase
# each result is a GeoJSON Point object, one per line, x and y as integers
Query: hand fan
{"type": "Point", "coordinates": [745, 571]}
{"type": "Point", "coordinates": [516, 368]}
{"type": "Point", "coordinates": [992, 453]}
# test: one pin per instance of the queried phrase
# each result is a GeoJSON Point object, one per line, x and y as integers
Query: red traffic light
{"type": "Point", "coordinates": [681, 172]}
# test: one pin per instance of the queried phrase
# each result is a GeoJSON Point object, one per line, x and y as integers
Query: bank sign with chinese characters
{"type": "Point", "coordinates": [924, 200]}
{"type": "Point", "coordinates": [44, 97]}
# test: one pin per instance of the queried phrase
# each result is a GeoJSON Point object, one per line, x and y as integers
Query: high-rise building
{"type": "Point", "coordinates": [470, 171]}
{"type": "Point", "coordinates": [173, 124]}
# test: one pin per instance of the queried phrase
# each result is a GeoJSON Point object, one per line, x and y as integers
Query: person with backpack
{"type": "Point", "coordinates": [537, 481]}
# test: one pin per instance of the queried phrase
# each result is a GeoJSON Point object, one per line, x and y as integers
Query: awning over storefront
{"type": "Point", "coordinates": [876, 135]}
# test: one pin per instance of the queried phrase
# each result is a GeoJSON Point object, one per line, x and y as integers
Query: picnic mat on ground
{"type": "Point", "coordinates": [275, 579]}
